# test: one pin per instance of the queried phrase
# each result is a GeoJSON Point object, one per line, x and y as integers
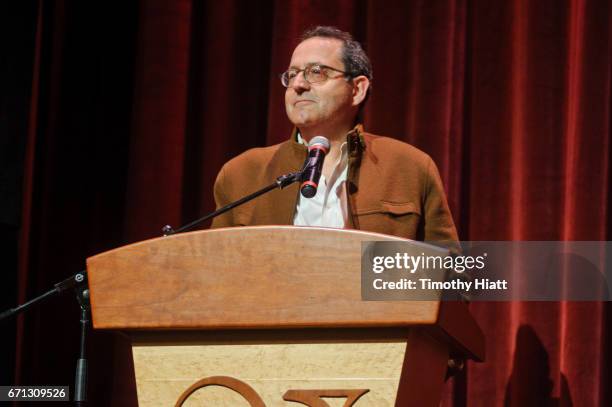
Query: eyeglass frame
{"type": "Point", "coordinates": [307, 68]}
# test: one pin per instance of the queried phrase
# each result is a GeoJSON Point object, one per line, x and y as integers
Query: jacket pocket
{"type": "Point", "coordinates": [391, 218]}
{"type": "Point", "coordinates": [399, 209]}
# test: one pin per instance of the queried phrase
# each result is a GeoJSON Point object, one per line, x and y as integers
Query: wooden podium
{"type": "Point", "coordinates": [272, 316]}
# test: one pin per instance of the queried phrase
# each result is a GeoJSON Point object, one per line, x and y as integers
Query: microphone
{"type": "Point", "coordinates": [317, 148]}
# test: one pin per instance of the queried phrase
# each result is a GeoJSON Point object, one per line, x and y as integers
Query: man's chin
{"type": "Point", "coordinates": [303, 121]}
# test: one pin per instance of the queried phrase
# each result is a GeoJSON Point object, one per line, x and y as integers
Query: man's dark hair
{"type": "Point", "coordinates": [356, 61]}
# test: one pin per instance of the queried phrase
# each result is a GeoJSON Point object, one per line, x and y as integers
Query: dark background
{"type": "Point", "coordinates": [116, 117]}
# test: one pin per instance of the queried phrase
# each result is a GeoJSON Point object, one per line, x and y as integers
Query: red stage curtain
{"type": "Point", "coordinates": [135, 108]}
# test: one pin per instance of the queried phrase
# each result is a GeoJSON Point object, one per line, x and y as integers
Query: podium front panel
{"type": "Point", "coordinates": [270, 367]}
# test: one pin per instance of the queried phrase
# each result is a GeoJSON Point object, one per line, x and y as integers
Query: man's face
{"type": "Point", "coordinates": [322, 103]}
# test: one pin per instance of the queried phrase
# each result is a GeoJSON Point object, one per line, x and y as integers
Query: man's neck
{"type": "Point", "coordinates": [335, 135]}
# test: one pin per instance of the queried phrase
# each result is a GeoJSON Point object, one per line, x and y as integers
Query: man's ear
{"type": "Point", "coordinates": [360, 89]}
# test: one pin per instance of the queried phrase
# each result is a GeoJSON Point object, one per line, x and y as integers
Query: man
{"type": "Point", "coordinates": [371, 183]}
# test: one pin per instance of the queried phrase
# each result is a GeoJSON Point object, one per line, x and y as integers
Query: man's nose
{"type": "Point", "coordinates": [299, 83]}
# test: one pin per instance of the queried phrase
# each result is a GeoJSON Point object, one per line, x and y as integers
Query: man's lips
{"type": "Point", "coordinates": [303, 101]}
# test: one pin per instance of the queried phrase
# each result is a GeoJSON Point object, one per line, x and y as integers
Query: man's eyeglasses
{"type": "Point", "coordinates": [312, 74]}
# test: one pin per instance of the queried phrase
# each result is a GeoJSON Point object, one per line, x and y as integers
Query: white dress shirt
{"type": "Point", "coordinates": [328, 208]}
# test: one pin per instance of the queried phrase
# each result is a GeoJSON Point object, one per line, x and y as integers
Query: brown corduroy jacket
{"type": "Point", "coordinates": [392, 187]}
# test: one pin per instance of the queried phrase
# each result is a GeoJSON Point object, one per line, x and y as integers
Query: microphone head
{"type": "Point", "coordinates": [319, 142]}
{"type": "Point", "coordinates": [308, 190]}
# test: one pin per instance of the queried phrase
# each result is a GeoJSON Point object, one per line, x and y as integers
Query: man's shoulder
{"type": "Point", "coordinates": [256, 157]}
{"type": "Point", "coordinates": [388, 148]}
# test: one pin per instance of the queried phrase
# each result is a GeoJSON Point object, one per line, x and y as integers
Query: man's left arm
{"type": "Point", "coordinates": [439, 225]}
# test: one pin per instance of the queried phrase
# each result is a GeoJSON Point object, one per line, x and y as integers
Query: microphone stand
{"type": "Point", "coordinates": [80, 376]}
{"type": "Point", "coordinates": [76, 280]}
{"type": "Point", "coordinates": [79, 283]}
{"type": "Point", "coordinates": [280, 183]}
